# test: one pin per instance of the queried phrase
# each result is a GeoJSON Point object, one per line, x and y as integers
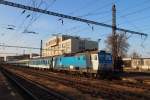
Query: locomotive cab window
{"type": "Point", "coordinates": [95, 57]}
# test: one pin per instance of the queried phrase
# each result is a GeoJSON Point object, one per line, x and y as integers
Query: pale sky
{"type": "Point", "coordinates": [131, 14]}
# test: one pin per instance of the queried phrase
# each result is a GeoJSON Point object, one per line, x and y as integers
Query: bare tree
{"type": "Point", "coordinates": [122, 44]}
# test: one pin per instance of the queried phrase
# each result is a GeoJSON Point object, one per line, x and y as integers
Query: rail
{"type": "Point", "coordinates": [32, 89]}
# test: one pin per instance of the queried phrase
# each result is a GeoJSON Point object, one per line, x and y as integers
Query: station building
{"type": "Point", "coordinates": [141, 63]}
{"type": "Point", "coordinates": [137, 63]}
{"type": "Point", "coordinates": [66, 44]}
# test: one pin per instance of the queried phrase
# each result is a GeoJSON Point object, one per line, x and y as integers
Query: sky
{"type": "Point", "coordinates": [131, 14]}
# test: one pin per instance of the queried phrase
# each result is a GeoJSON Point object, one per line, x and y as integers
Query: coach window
{"type": "Point", "coordinates": [78, 58]}
{"type": "Point", "coordinates": [142, 62]}
{"type": "Point", "coordinates": [37, 62]}
{"type": "Point", "coordinates": [41, 62]}
{"type": "Point", "coordinates": [44, 62]}
{"type": "Point", "coordinates": [47, 62]}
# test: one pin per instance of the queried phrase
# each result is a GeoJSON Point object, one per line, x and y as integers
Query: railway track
{"type": "Point", "coordinates": [32, 89]}
{"type": "Point", "coordinates": [101, 89]}
{"type": "Point", "coordinates": [138, 84]}
{"type": "Point", "coordinates": [94, 89]}
{"type": "Point", "coordinates": [85, 80]}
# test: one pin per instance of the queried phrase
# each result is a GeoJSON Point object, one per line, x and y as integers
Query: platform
{"type": "Point", "coordinates": [7, 91]}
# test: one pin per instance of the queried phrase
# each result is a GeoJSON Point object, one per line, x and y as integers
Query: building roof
{"type": "Point", "coordinates": [68, 37]}
{"type": "Point", "coordinates": [140, 58]}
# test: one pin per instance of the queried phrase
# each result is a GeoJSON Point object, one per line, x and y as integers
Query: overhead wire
{"type": "Point", "coordinates": [135, 12]}
{"type": "Point", "coordinates": [34, 4]}
{"type": "Point", "coordinates": [137, 28]}
{"type": "Point", "coordinates": [26, 29]}
{"type": "Point", "coordinates": [34, 20]}
{"type": "Point", "coordinates": [24, 47]}
{"type": "Point", "coordinates": [82, 16]}
{"type": "Point", "coordinates": [137, 19]}
{"type": "Point", "coordinates": [92, 13]}
{"type": "Point", "coordinates": [141, 10]}
{"type": "Point", "coordinates": [33, 14]}
{"type": "Point", "coordinates": [19, 28]}
{"type": "Point", "coordinates": [91, 2]}
{"type": "Point", "coordinates": [132, 12]}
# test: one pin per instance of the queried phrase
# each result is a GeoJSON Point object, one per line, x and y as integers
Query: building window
{"type": "Point", "coordinates": [142, 62]}
{"type": "Point", "coordinates": [147, 63]}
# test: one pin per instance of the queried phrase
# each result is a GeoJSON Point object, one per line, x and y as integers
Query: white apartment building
{"type": "Point", "coordinates": [65, 44]}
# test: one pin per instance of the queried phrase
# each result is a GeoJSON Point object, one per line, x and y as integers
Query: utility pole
{"type": "Point", "coordinates": [114, 37]}
{"type": "Point", "coordinates": [41, 48]}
